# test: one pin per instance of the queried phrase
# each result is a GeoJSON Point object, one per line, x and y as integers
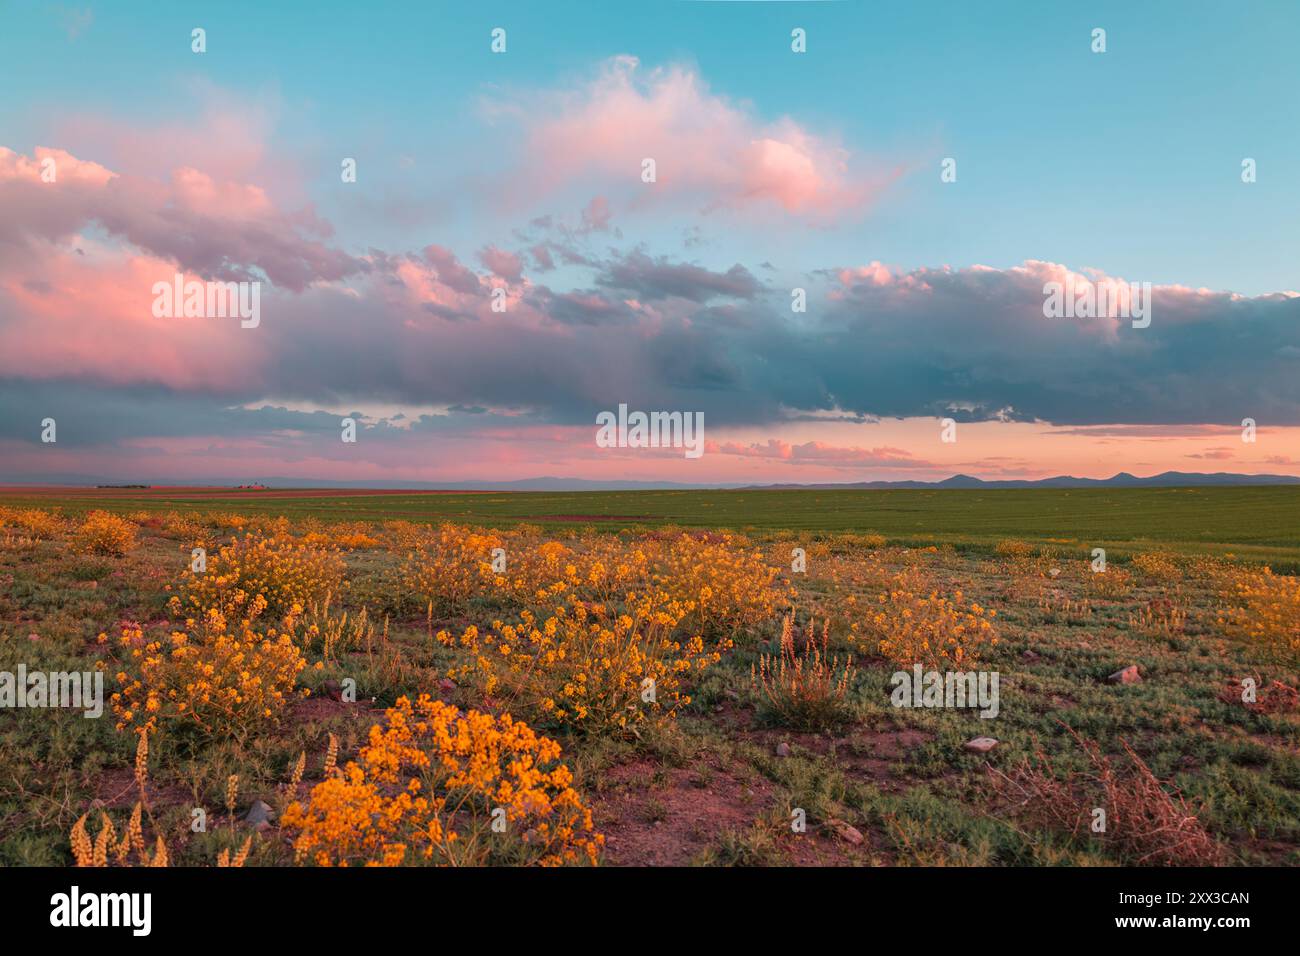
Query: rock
{"type": "Point", "coordinates": [1030, 657]}
{"type": "Point", "coordinates": [1127, 675]}
{"type": "Point", "coordinates": [33, 637]}
{"type": "Point", "coordinates": [846, 832]}
{"type": "Point", "coordinates": [783, 749]}
{"type": "Point", "coordinates": [259, 815]}
{"type": "Point", "coordinates": [446, 685]}
{"type": "Point", "coordinates": [980, 745]}
{"type": "Point", "coordinates": [1054, 572]}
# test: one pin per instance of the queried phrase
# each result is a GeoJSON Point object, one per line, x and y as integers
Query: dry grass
{"type": "Point", "coordinates": [1146, 823]}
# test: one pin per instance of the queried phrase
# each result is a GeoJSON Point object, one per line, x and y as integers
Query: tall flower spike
{"type": "Point", "coordinates": [331, 756]}
{"type": "Point", "coordinates": [82, 851]}
{"type": "Point", "coordinates": [142, 762]}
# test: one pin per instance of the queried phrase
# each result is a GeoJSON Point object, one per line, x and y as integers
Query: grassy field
{"type": "Point", "coordinates": [735, 746]}
{"type": "Point", "coordinates": [1256, 524]}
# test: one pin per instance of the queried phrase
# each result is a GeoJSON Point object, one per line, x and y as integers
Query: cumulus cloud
{"type": "Point", "coordinates": [709, 151]}
{"type": "Point", "coordinates": [217, 229]}
{"type": "Point", "coordinates": [416, 328]}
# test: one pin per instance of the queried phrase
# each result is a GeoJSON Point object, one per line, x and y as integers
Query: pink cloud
{"type": "Point", "coordinates": [90, 316]}
{"type": "Point", "coordinates": [819, 452]}
{"type": "Point", "coordinates": [706, 148]}
{"type": "Point", "coordinates": [219, 229]}
{"type": "Point", "coordinates": [505, 265]}
{"type": "Point", "coordinates": [241, 126]}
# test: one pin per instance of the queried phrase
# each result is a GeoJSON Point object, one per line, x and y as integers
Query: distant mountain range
{"type": "Point", "coordinates": [1168, 479]}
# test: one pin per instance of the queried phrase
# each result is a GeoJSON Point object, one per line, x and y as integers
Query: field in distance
{"type": "Point", "coordinates": [1251, 524]}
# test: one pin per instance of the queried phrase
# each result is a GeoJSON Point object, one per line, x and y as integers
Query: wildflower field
{"type": "Point", "coordinates": [318, 680]}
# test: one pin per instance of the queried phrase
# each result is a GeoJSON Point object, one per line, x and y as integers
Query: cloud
{"type": "Point", "coordinates": [505, 265]}
{"type": "Point", "coordinates": [709, 152]}
{"type": "Point", "coordinates": [217, 229]}
{"type": "Point", "coordinates": [659, 278]}
{"type": "Point", "coordinates": [450, 272]}
{"type": "Point", "coordinates": [820, 453]}
{"type": "Point", "coordinates": [81, 256]}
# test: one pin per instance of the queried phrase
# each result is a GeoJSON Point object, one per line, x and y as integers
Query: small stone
{"type": "Point", "coordinates": [980, 745]}
{"type": "Point", "coordinates": [1030, 657]}
{"type": "Point", "coordinates": [847, 832]}
{"type": "Point", "coordinates": [1128, 675]}
{"type": "Point", "coordinates": [1054, 572]}
{"type": "Point", "coordinates": [446, 685]}
{"type": "Point", "coordinates": [783, 749]}
{"type": "Point", "coordinates": [33, 637]}
{"type": "Point", "coordinates": [259, 815]}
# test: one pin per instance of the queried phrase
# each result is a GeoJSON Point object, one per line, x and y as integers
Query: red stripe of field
{"type": "Point", "coordinates": [174, 491]}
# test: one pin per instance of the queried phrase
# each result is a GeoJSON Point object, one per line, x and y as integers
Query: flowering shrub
{"type": "Point", "coordinates": [282, 571]}
{"type": "Point", "coordinates": [586, 668]}
{"type": "Point", "coordinates": [911, 623]}
{"type": "Point", "coordinates": [430, 785]}
{"type": "Point", "coordinates": [1021, 560]}
{"type": "Point", "coordinates": [350, 536]}
{"type": "Point", "coordinates": [1264, 609]}
{"type": "Point", "coordinates": [213, 678]}
{"type": "Point", "coordinates": [32, 521]}
{"type": "Point", "coordinates": [725, 586]}
{"type": "Point", "coordinates": [1013, 548]}
{"type": "Point", "coordinates": [1157, 565]}
{"type": "Point", "coordinates": [550, 574]}
{"type": "Point", "coordinates": [449, 566]}
{"type": "Point", "coordinates": [105, 533]}
{"type": "Point", "coordinates": [185, 528]}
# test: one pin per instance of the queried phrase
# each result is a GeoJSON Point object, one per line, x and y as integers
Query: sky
{"type": "Point", "coordinates": [841, 261]}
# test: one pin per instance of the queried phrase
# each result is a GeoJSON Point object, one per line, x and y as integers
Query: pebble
{"type": "Point", "coordinates": [1127, 675]}
{"type": "Point", "coordinates": [259, 815]}
{"type": "Point", "coordinates": [848, 833]}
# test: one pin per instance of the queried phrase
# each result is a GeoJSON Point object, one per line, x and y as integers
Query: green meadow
{"type": "Point", "coordinates": [1251, 524]}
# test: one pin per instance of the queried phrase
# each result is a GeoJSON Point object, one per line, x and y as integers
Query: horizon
{"type": "Point", "coordinates": [461, 251]}
{"type": "Point", "coordinates": [554, 483]}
